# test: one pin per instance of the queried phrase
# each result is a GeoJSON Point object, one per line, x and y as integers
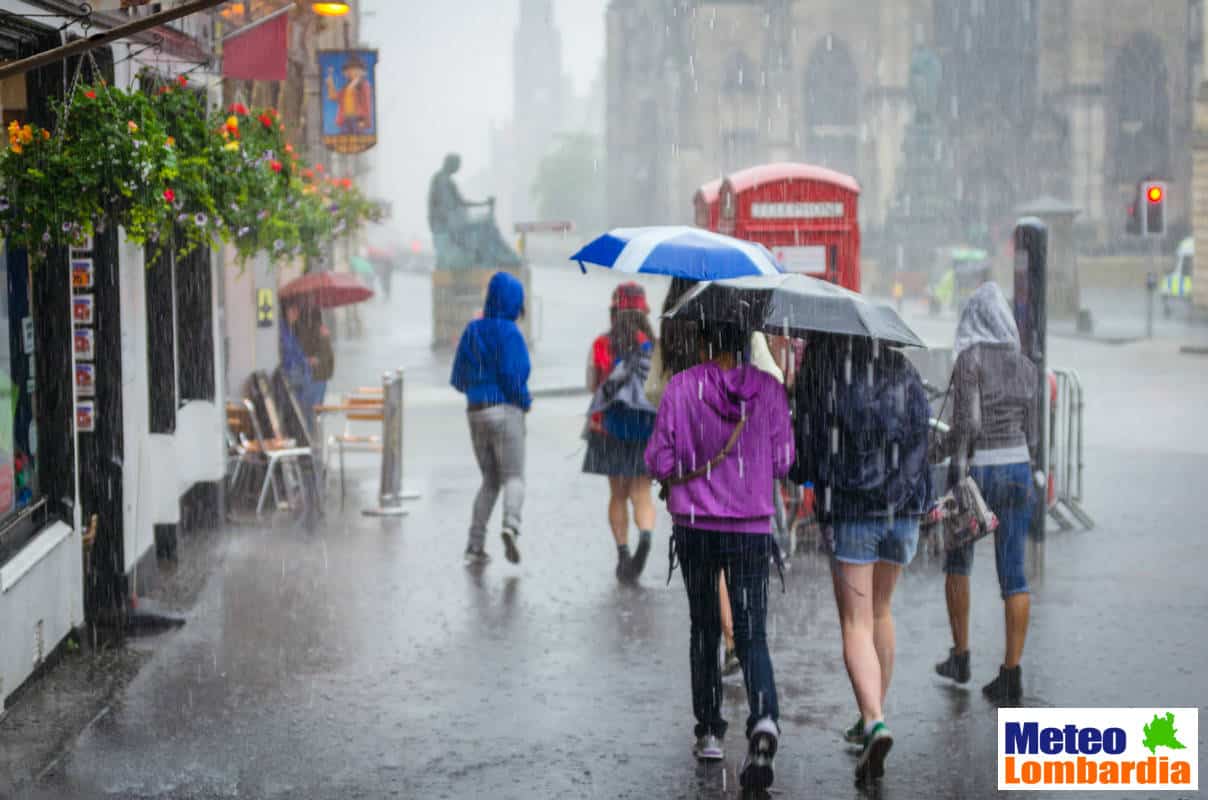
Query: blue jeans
{"type": "Point", "coordinates": [866, 541]}
{"type": "Point", "coordinates": [744, 557]}
{"type": "Point", "coordinates": [1007, 489]}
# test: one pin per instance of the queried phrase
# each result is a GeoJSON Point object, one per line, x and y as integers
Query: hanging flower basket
{"type": "Point", "coordinates": [170, 174]}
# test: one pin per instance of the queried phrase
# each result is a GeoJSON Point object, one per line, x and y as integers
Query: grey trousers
{"type": "Point", "coordinates": [498, 437]}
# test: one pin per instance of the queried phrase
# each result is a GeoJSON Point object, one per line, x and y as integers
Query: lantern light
{"type": "Point", "coordinates": [1154, 194]}
{"type": "Point", "coordinates": [330, 9]}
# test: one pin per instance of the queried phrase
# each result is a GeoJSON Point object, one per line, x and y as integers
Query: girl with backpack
{"type": "Point", "coordinates": [621, 419]}
{"type": "Point", "coordinates": [861, 431]}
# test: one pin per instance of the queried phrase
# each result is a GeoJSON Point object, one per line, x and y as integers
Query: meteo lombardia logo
{"type": "Point", "coordinates": [1098, 748]}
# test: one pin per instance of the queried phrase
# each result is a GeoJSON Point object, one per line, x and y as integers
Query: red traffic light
{"type": "Point", "coordinates": [1154, 194]}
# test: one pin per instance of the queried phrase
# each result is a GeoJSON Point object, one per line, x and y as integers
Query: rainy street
{"type": "Point", "coordinates": [365, 661]}
{"type": "Point", "coordinates": [526, 399]}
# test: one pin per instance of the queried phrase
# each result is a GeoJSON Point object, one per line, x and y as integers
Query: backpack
{"type": "Point", "coordinates": [627, 414]}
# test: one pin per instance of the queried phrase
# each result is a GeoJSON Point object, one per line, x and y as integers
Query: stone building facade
{"type": "Point", "coordinates": [1073, 99]}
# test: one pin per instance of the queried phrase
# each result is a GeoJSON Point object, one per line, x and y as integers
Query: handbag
{"type": "Point", "coordinates": [676, 480]}
{"type": "Point", "coordinates": [963, 515]}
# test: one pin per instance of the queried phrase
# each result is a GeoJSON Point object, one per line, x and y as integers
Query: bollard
{"type": "Point", "coordinates": [390, 491]}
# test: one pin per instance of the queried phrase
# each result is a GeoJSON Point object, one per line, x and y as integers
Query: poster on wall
{"type": "Point", "coordinates": [81, 309]}
{"type": "Point", "coordinates": [349, 91]}
{"type": "Point", "coordinates": [85, 344]}
{"type": "Point", "coordinates": [85, 416]}
{"type": "Point", "coordinates": [81, 273]}
{"type": "Point", "coordinates": [85, 380]}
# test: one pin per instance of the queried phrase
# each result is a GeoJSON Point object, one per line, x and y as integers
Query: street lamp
{"type": "Point", "coordinates": [330, 9]}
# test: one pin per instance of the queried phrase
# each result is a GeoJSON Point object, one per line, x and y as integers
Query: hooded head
{"type": "Point", "coordinates": [505, 297]}
{"type": "Point", "coordinates": [452, 164]}
{"type": "Point", "coordinates": [986, 319]}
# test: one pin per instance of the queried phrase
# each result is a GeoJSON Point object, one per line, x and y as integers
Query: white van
{"type": "Point", "coordinates": [1176, 286]}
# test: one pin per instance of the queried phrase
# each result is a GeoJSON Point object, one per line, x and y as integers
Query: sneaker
{"type": "Point", "coordinates": [757, 767]}
{"type": "Point", "coordinates": [731, 665]}
{"type": "Point", "coordinates": [877, 744]}
{"type": "Point", "coordinates": [639, 556]}
{"type": "Point", "coordinates": [624, 565]}
{"type": "Point", "coordinates": [510, 535]}
{"type": "Point", "coordinates": [956, 667]}
{"type": "Point", "coordinates": [1007, 688]}
{"type": "Point", "coordinates": [476, 556]}
{"type": "Point", "coordinates": [708, 748]}
{"type": "Point", "coordinates": [855, 734]}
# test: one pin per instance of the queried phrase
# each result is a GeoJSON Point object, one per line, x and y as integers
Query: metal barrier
{"type": "Point", "coordinates": [1065, 450]}
{"type": "Point", "coordinates": [390, 493]}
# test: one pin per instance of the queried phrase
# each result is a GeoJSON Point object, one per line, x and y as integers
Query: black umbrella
{"type": "Point", "coordinates": [794, 305]}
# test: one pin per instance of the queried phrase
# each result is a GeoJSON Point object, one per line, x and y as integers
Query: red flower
{"type": "Point", "coordinates": [238, 108]}
{"type": "Point", "coordinates": [276, 166]}
{"type": "Point", "coordinates": [309, 174]}
{"type": "Point", "coordinates": [165, 89]}
{"type": "Point", "coordinates": [346, 183]}
{"type": "Point", "coordinates": [169, 195]}
{"type": "Point", "coordinates": [91, 95]}
{"type": "Point", "coordinates": [319, 168]}
{"type": "Point", "coordinates": [182, 80]}
{"type": "Point", "coordinates": [266, 121]}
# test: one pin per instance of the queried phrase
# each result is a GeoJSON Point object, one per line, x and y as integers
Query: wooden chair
{"type": "Point", "coordinates": [285, 459]}
{"type": "Point", "coordinates": [357, 408]}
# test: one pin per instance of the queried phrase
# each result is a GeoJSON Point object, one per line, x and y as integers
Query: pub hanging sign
{"type": "Point", "coordinates": [349, 93]}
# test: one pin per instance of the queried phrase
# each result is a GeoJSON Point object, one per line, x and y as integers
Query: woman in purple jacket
{"type": "Point", "coordinates": [722, 435]}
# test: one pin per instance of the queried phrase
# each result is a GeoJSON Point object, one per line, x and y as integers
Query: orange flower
{"type": "Point", "coordinates": [170, 141]}
{"type": "Point", "coordinates": [45, 135]}
{"type": "Point", "coordinates": [16, 148]}
{"type": "Point", "coordinates": [232, 124]}
{"type": "Point", "coordinates": [132, 126]}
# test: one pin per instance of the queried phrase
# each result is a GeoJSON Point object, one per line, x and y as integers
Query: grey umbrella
{"type": "Point", "coordinates": [794, 305]}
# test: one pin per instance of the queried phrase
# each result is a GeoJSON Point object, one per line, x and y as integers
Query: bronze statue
{"type": "Point", "coordinates": [460, 239]}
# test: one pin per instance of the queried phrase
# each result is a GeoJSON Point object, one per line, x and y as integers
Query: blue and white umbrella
{"type": "Point", "coordinates": [678, 251]}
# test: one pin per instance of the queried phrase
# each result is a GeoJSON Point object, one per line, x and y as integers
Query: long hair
{"type": "Point", "coordinates": [678, 339]}
{"type": "Point", "coordinates": [626, 325]}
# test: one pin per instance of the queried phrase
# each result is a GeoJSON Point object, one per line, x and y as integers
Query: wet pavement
{"type": "Point", "coordinates": [362, 660]}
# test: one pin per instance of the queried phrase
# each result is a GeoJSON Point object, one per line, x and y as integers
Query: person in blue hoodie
{"type": "Point", "coordinates": [492, 369]}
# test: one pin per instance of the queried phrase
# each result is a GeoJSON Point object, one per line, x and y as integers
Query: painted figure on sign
{"type": "Point", "coordinates": [355, 99]}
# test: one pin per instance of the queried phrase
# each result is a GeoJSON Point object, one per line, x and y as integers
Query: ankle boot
{"type": "Point", "coordinates": [956, 667]}
{"type": "Point", "coordinates": [624, 564]}
{"type": "Point", "coordinates": [1007, 688]}
{"type": "Point", "coordinates": [640, 554]}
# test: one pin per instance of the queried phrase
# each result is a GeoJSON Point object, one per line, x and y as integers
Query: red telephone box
{"type": "Point", "coordinates": [808, 216]}
{"type": "Point", "coordinates": [705, 205]}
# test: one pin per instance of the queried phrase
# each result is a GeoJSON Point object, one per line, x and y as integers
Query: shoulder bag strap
{"type": "Point", "coordinates": [677, 480]}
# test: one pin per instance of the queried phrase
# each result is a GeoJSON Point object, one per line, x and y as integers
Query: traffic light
{"type": "Point", "coordinates": [1155, 208]}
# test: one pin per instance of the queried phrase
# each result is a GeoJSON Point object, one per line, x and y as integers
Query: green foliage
{"type": "Point", "coordinates": [570, 182]}
{"type": "Point", "coordinates": [157, 164]}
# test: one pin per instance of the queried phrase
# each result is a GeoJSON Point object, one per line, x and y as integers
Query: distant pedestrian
{"type": "Point", "coordinates": [297, 366]}
{"type": "Point", "coordinates": [315, 338]}
{"type": "Point", "coordinates": [995, 433]}
{"type": "Point", "coordinates": [862, 425]}
{"type": "Point", "coordinates": [492, 370]}
{"type": "Point", "coordinates": [620, 422]}
{"type": "Point", "coordinates": [722, 436]}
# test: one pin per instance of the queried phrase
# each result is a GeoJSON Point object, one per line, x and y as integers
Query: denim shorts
{"type": "Point", "coordinates": [1008, 492]}
{"type": "Point", "coordinates": [873, 539]}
